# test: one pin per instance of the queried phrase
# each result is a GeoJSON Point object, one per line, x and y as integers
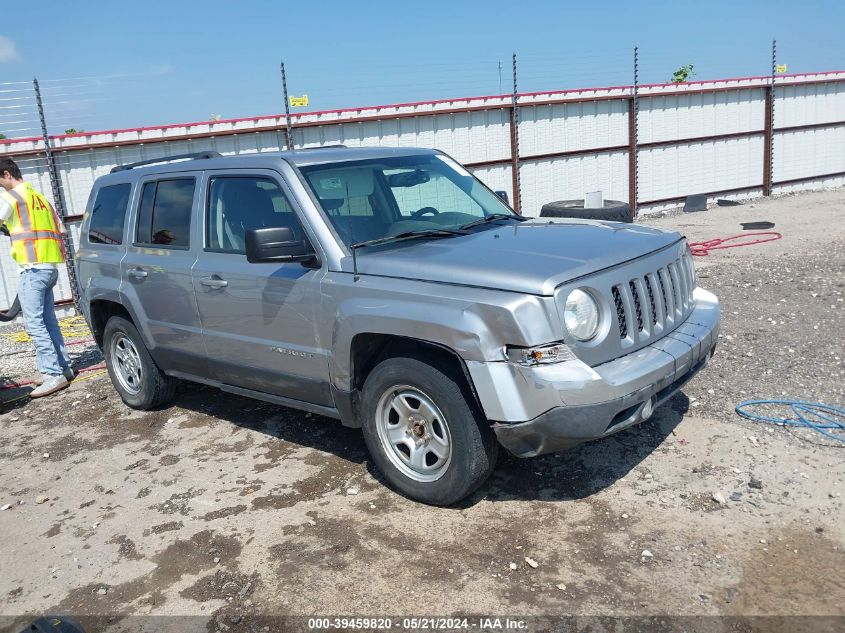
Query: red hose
{"type": "Point", "coordinates": [24, 383]}
{"type": "Point", "coordinates": [79, 341]}
{"type": "Point", "coordinates": [700, 249]}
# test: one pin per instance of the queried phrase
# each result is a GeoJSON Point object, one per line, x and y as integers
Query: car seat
{"type": "Point", "coordinates": [253, 209]}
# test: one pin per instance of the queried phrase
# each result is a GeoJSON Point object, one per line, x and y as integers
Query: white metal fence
{"type": "Point", "coordinates": [708, 137]}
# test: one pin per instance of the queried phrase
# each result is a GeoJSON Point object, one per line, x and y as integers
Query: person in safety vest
{"type": "Point", "coordinates": [36, 232]}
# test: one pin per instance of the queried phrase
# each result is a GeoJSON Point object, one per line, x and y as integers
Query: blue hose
{"type": "Point", "coordinates": [830, 427]}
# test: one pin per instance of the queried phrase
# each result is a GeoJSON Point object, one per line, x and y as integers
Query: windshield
{"type": "Point", "coordinates": [374, 199]}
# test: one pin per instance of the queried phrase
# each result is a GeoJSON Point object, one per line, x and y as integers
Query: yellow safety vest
{"type": "Point", "coordinates": [34, 228]}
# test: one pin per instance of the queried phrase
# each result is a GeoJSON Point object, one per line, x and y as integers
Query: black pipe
{"type": "Point", "coordinates": [11, 313]}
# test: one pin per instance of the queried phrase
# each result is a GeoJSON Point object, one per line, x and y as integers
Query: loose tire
{"type": "Point", "coordinates": [613, 211]}
{"type": "Point", "coordinates": [134, 374]}
{"type": "Point", "coordinates": [424, 432]}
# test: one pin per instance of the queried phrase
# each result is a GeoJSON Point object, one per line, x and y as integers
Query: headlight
{"type": "Point", "coordinates": [581, 315]}
{"type": "Point", "coordinates": [555, 353]}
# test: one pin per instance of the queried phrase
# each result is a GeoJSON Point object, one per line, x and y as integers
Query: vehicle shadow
{"type": "Point", "coordinates": [586, 469]}
{"type": "Point", "coordinates": [574, 474]}
{"type": "Point", "coordinates": [288, 425]}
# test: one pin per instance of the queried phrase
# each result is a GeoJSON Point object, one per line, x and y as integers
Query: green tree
{"type": "Point", "coordinates": [73, 130]}
{"type": "Point", "coordinates": [683, 74]}
{"type": "Point", "coordinates": [2, 136]}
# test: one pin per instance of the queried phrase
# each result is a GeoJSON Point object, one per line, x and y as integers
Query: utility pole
{"type": "Point", "coordinates": [633, 133]}
{"type": "Point", "coordinates": [56, 186]}
{"type": "Point", "coordinates": [771, 122]}
{"type": "Point", "coordinates": [517, 187]}
{"type": "Point", "coordinates": [500, 76]}
{"type": "Point", "coordinates": [288, 131]}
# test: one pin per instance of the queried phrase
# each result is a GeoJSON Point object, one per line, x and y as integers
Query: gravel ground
{"type": "Point", "coordinates": [230, 510]}
{"type": "Point", "coordinates": [18, 359]}
{"type": "Point", "coordinates": [783, 305]}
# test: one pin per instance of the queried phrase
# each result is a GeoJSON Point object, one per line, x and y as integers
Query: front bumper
{"type": "Point", "coordinates": [548, 408]}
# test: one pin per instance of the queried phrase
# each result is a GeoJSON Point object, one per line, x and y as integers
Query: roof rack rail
{"type": "Point", "coordinates": [167, 159]}
{"type": "Point", "coordinates": [305, 149]}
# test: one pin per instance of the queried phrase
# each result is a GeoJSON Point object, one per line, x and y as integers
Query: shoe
{"type": "Point", "coordinates": [69, 373]}
{"type": "Point", "coordinates": [51, 384]}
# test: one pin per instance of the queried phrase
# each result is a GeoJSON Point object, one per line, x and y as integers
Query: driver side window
{"type": "Point", "coordinates": [438, 192]}
{"type": "Point", "coordinates": [237, 204]}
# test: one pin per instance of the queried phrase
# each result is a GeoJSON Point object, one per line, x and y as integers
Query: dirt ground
{"type": "Point", "coordinates": [225, 508]}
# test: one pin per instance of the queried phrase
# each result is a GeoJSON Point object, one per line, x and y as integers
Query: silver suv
{"type": "Point", "coordinates": [391, 289]}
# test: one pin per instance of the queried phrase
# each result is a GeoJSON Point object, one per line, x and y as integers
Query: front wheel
{"type": "Point", "coordinates": [133, 372]}
{"type": "Point", "coordinates": [424, 433]}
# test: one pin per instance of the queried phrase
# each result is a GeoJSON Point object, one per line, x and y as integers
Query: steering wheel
{"type": "Point", "coordinates": [421, 212]}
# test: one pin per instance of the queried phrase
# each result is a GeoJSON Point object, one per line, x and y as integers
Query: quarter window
{"type": "Point", "coordinates": [108, 214]}
{"type": "Point", "coordinates": [238, 204]}
{"type": "Point", "coordinates": [164, 216]}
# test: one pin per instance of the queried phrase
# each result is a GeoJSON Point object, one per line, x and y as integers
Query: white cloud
{"type": "Point", "coordinates": [8, 52]}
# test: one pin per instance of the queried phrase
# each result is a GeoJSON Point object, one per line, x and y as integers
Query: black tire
{"type": "Point", "coordinates": [155, 388]}
{"type": "Point", "coordinates": [474, 448]}
{"type": "Point", "coordinates": [613, 211]}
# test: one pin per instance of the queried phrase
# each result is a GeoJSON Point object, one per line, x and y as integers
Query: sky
{"type": "Point", "coordinates": [106, 65]}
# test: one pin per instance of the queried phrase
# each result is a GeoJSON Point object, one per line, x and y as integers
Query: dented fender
{"type": "Point", "coordinates": [476, 329]}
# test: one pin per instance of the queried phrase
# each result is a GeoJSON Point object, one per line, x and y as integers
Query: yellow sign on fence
{"type": "Point", "coordinates": [299, 102]}
{"type": "Point", "coordinates": [780, 68]}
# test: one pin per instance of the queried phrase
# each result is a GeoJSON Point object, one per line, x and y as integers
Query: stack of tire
{"type": "Point", "coordinates": [613, 211]}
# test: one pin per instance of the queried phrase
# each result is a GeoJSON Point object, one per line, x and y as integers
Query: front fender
{"type": "Point", "coordinates": [443, 315]}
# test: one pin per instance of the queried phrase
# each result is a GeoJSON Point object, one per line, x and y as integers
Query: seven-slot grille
{"type": "Point", "coordinates": [650, 304]}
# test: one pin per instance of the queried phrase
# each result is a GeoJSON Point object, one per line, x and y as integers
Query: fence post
{"type": "Point", "coordinates": [769, 128]}
{"type": "Point", "coordinates": [288, 131]}
{"type": "Point", "coordinates": [633, 111]}
{"type": "Point", "coordinates": [514, 124]}
{"type": "Point", "coordinates": [58, 194]}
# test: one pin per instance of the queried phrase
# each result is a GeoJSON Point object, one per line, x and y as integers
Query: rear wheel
{"type": "Point", "coordinates": [424, 432]}
{"type": "Point", "coordinates": [133, 372]}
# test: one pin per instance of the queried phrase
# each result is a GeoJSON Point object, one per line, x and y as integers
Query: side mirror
{"type": "Point", "coordinates": [275, 245]}
{"type": "Point", "coordinates": [504, 196]}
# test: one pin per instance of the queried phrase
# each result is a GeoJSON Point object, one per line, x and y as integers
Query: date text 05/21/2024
{"type": "Point", "coordinates": [418, 624]}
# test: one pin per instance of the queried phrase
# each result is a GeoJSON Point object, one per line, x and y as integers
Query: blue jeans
{"type": "Point", "coordinates": [35, 292]}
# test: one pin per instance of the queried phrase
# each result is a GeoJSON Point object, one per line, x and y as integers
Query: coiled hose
{"type": "Point", "coordinates": [826, 419]}
{"type": "Point", "coordinates": [700, 249]}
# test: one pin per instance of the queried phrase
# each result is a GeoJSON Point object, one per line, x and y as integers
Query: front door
{"type": "Point", "coordinates": [258, 319]}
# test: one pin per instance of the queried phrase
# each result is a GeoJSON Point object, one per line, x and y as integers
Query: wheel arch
{"type": "Point", "coordinates": [102, 309]}
{"type": "Point", "coordinates": [368, 349]}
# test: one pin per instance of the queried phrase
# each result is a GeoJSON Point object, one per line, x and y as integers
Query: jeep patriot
{"type": "Point", "coordinates": [391, 289]}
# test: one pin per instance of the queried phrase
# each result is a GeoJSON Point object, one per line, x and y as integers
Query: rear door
{"type": "Point", "coordinates": [258, 319]}
{"type": "Point", "coordinates": [102, 242]}
{"type": "Point", "coordinates": [157, 270]}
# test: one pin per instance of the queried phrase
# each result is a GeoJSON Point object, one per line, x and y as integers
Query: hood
{"type": "Point", "coordinates": [532, 257]}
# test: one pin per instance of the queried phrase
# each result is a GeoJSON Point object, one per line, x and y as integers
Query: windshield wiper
{"type": "Point", "coordinates": [492, 218]}
{"type": "Point", "coordinates": [407, 235]}
{"type": "Point", "coordinates": [401, 237]}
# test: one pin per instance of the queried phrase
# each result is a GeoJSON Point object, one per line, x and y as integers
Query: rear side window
{"type": "Point", "coordinates": [108, 214]}
{"type": "Point", "coordinates": [164, 216]}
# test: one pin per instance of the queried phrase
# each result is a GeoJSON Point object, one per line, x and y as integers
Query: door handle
{"type": "Point", "coordinates": [137, 273]}
{"type": "Point", "coordinates": [214, 282]}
